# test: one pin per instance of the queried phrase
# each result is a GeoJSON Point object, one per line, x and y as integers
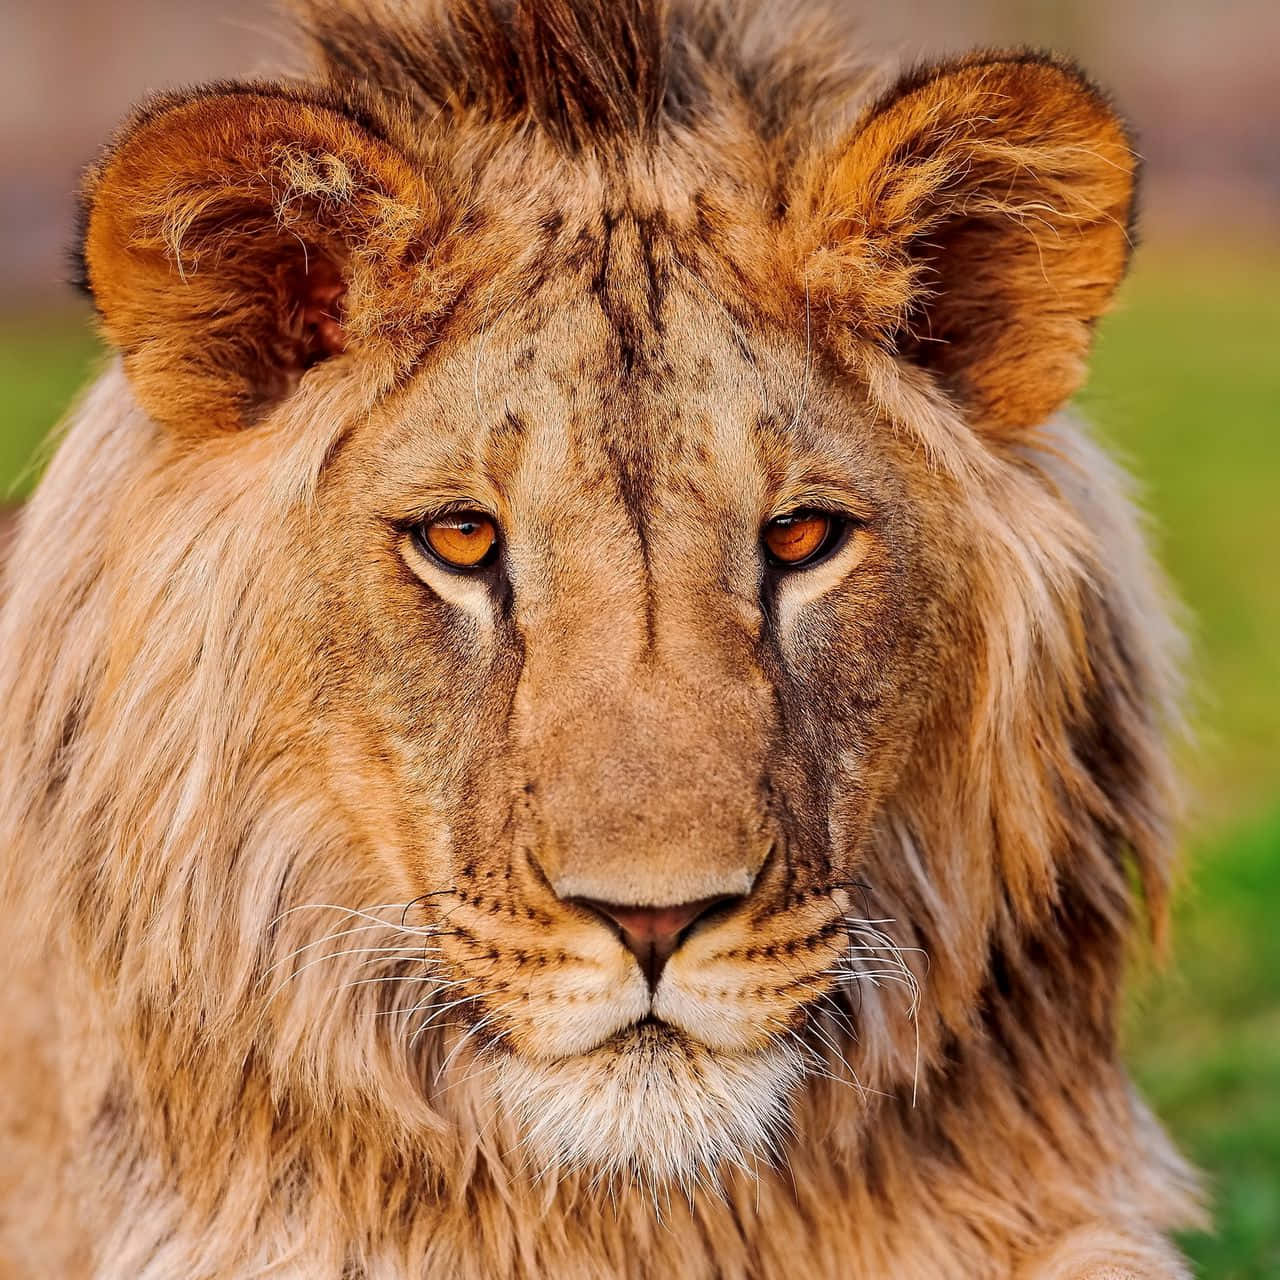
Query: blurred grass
{"type": "Point", "coordinates": [1205, 1043]}
{"type": "Point", "coordinates": [1186, 386]}
{"type": "Point", "coordinates": [43, 362]}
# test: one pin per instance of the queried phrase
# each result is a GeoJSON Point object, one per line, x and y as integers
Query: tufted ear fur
{"type": "Point", "coordinates": [976, 222]}
{"type": "Point", "coordinates": [235, 236]}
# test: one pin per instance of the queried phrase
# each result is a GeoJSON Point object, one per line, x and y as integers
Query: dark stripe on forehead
{"type": "Point", "coordinates": [631, 283]}
{"type": "Point", "coordinates": [631, 456]}
{"type": "Point", "coordinates": [613, 301]}
{"type": "Point", "coordinates": [654, 236]}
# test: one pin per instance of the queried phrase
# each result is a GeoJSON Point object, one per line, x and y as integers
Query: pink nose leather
{"type": "Point", "coordinates": [653, 933]}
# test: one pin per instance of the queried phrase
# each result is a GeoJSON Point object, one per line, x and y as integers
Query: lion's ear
{"type": "Point", "coordinates": [977, 221]}
{"type": "Point", "coordinates": [235, 236]}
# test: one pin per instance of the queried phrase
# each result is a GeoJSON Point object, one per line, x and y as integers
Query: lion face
{"type": "Point", "coordinates": [625, 576]}
{"type": "Point", "coordinates": [631, 703]}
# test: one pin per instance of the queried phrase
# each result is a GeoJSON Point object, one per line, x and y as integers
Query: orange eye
{"type": "Point", "coordinates": [801, 537]}
{"type": "Point", "coordinates": [461, 539]}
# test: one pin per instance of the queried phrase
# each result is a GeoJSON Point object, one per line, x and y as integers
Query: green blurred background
{"type": "Point", "coordinates": [1186, 386]}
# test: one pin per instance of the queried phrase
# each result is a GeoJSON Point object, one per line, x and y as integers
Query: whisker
{"type": "Point", "coordinates": [334, 955]}
{"type": "Point", "coordinates": [390, 978]}
{"type": "Point", "coordinates": [334, 906]}
{"type": "Point", "coordinates": [427, 1021]}
{"type": "Point", "coordinates": [328, 937]}
{"type": "Point", "coordinates": [472, 1031]}
{"type": "Point", "coordinates": [876, 945]}
{"type": "Point", "coordinates": [428, 956]}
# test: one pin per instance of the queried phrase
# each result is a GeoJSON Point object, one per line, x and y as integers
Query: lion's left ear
{"type": "Point", "coordinates": [977, 222]}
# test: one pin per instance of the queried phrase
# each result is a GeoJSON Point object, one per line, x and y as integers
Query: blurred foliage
{"type": "Point", "coordinates": [1186, 387]}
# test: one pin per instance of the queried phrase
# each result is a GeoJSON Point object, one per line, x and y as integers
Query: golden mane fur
{"type": "Point", "coordinates": [298, 826]}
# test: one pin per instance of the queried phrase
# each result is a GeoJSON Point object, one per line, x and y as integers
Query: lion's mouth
{"type": "Point", "coordinates": [647, 1043]}
{"type": "Point", "coordinates": [648, 1033]}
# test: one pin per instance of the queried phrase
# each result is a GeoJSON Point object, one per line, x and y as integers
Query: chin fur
{"type": "Point", "coordinates": [650, 1106]}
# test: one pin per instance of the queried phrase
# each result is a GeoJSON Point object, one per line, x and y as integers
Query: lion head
{"type": "Point", "coordinates": [577, 630]}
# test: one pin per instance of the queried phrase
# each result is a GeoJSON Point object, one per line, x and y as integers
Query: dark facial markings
{"type": "Point", "coordinates": [630, 284]}
{"type": "Point", "coordinates": [633, 306]}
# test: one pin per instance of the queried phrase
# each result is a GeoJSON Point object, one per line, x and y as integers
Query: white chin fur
{"type": "Point", "coordinates": [650, 1106]}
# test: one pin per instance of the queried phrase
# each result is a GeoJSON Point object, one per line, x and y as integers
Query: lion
{"type": "Point", "coordinates": [573, 704]}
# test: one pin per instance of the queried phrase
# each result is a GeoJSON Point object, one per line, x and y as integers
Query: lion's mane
{"type": "Point", "coordinates": [172, 842]}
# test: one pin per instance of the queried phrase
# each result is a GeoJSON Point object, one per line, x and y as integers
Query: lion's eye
{"type": "Point", "coordinates": [801, 538]}
{"type": "Point", "coordinates": [463, 540]}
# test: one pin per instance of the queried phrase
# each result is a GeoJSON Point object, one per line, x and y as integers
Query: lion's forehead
{"type": "Point", "coordinates": [663, 405]}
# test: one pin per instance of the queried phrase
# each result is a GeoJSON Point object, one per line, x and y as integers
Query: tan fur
{"type": "Point", "coordinates": [296, 822]}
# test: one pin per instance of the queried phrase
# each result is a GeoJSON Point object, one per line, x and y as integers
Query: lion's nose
{"type": "Point", "coordinates": [654, 933]}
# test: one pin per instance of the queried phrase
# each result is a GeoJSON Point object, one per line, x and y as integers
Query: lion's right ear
{"type": "Point", "coordinates": [236, 236]}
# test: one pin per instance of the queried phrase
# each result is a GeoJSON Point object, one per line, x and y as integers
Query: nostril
{"type": "Point", "coordinates": [653, 933]}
